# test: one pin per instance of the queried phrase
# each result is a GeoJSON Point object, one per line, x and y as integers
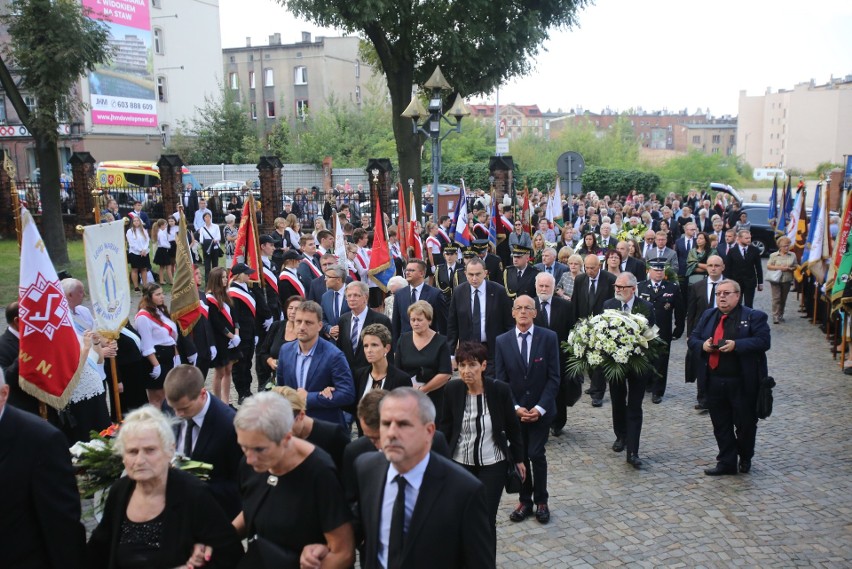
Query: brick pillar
{"type": "Point", "coordinates": [171, 181]}
{"type": "Point", "coordinates": [834, 185]}
{"type": "Point", "coordinates": [269, 172]}
{"type": "Point", "coordinates": [502, 168]}
{"type": "Point", "coordinates": [385, 175]}
{"type": "Point", "coordinates": [7, 209]}
{"type": "Point", "coordinates": [83, 174]}
{"type": "Point", "coordinates": [326, 174]}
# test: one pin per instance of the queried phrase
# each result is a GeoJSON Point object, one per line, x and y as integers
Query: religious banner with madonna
{"type": "Point", "coordinates": [106, 266]}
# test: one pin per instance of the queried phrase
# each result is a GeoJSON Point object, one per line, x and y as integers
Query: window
{"type": "Point", "coordinates": [234, 81]}
{"type": "Point", "coordinates": [301, 75]}
{"type": "Point", "coordinates": [252, 83]}
{"type": "Point", "coordinates": [270, 109]}
{"type": "Point", "coordinates": [302, 109]}
{"type": "Point", "coordinates": [717, 138]}
{"type": "Point", "coordinates": [161, 89]}
{"type": "Point", "coordinates": [253, 108]}
{"type": "Point", "coordinates": [268, 77]}
{"type": "Point", "coordinates": [30, 102]}
{"type": "Point", "coordinates": [731, 140]}
{"type": "Point", "coordinates": [2, 109]}
{"type": "Point", "coordinates": [233, 59]}
{"type": "Point", "coordinates": [159, 45]}
{"type": "Point", "coordinates": [357, 69]}
{"type": "Point", "coordinates": [715, 151]}
{"type": "Point", "coordinates": [164, 131]}
{"type": "Point", "coordinates": [696, 139]}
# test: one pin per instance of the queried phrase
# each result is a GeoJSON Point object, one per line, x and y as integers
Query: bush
{"type": "Point", "coordinates": [606, 181]}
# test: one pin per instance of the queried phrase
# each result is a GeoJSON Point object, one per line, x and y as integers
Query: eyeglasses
{"type": "Point", "coordinates": [726, 292]}
{"type": "Point", "coordinates": [524, 308]}
{"type": "Point", "coordinates": [622, 287]}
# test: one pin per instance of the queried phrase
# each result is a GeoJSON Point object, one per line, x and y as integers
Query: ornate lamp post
{"type": "Point", "coordinates": [431, 125]}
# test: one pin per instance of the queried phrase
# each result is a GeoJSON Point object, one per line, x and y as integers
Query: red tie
{"type": "Point", "coordinates": [717, 335]}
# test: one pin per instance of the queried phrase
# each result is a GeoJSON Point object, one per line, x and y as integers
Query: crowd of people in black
{"type": "Point", "coordinates": [347, 432]}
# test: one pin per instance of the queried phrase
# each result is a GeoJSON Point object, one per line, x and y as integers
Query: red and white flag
{"type": "Point", "coordinates": [51, 358]}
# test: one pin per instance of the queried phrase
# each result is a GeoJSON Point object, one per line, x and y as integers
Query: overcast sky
{"type": "Point", "coordinates": [654, 54]}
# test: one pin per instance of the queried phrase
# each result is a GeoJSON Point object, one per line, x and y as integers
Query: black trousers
{"type": "Point", "coordinates": [211, 261]}
{"type": "Point", "coordinates": [493, 477]}
{"type": "Point", "coordinates": [597, 384]}
{"type": "Point", "coordinates": [748, 294]}
{"type": "Point", "coordinates": [732, 412]}
{"type": "Point", "coordinates": [241, 374]}
{"type": "Point", "coordinates": [627, 396]}
{"type": "Point", "coordinates": [661, 364]}
{"type": "Point", "coordinates": [535, 435]}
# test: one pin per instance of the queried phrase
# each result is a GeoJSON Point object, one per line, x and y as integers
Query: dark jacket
{"type": "Point", "coordinates": [498, 315]}
{"type": "Point", "coordinates": [537, 383]}
{"type": "Point", "coordinates": [580, 298]}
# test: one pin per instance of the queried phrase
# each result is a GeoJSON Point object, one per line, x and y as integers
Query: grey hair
{"type": "Point", "coordinates": [268, 413]}
{"type": "Point", "coordinates": [70, 285]}
{"type": "Point", "coordinates": [742, 231]}
{"type": "Point", "coordinates": [425, 407]}
{"type": "Point", "coordinates": [361, 286]}
{"type": "Point", "coordinates": [147, 418]}
{"type": "Point", "coordinates": [544, 275]}
{"type": "Point", "coordinates": [2, 378]}
{"type": "Point", "coordinates": [734, 283]}
{"type": "Point", "coordinates": [631, 278]}
{"type": "Point", "coordinates": [549, 250]}
{"type": "Point", "coordinates": [397, 281]}
{"type": "Point", "coordinates": [337, 270]}
{"type": "Point", "coordinates": [230, 217]}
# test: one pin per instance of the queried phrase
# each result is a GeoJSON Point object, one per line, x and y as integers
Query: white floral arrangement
{"type": "Point", "coordinates": [615, 342]}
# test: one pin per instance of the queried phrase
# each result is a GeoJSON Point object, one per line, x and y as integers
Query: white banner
{"type": "Point", "coordinates": [106, 265]}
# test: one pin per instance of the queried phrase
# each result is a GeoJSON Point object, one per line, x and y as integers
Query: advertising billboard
{"type": "Point", "coordinates": [123, 92]}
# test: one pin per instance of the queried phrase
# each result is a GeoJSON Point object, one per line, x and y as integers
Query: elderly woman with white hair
{"type": "Point", "coordinates": [229, 235]}
{"type": "Point", "coordinates": [396, 283]}
{"type": "Point", "coordinates": [293, 504]}
{"type": "Point", "coordinates": [159, 516]}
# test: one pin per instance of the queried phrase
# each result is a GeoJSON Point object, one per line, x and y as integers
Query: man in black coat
{"type": "Point", "coordinates": [742, 264]}
{"type": "Point", "coordinates": [668, 307]}
{"type": "Point", "coordinates": [702, 296]}
{"type": "Point", "coordinates": [206, 433]}
{"type": "Point", "coordinates": [9, 347]}
{"type": "Point", "coordinates": [591, 289]}
{"type": "Point", "coordinates": [493, 264]}
{"type": "Point", "coordinates": [733, 341]}
{"type": "Point", "coordinates": [40, 516]}
{"type": "Point", "coordinates": [318, 288]}
{"type": "Point", "coordinates": [628, 393]}
{"type": "Point", "coordinates": [629, 263]}
{"type": "Point", "coordinates": [351, 324]}
{"type": "Point", "coordinates": [519, 279]}
{"type": "Point", "coordinates": [449, 507]}
{"type": "Point", "coordinates": [556, 314]}
{"type": "Point", "coordinates": [417, 289]}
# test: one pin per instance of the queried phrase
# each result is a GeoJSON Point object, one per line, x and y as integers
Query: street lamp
{"type": "Point", "coordinates": [431, 125]}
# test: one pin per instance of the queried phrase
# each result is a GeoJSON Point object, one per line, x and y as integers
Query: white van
{"type": "Point", "coordinates": [769, 174]}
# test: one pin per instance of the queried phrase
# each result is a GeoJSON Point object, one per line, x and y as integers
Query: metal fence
{"type": "Point", "coordinates": [29, 194]}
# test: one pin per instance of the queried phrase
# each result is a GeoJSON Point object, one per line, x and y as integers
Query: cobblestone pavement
{"type": "Point", "coordinates": [793, 510]}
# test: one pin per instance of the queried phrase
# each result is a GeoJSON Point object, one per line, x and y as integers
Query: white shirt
{"type": "Point", "coordinates": [199, 421]}
{"type": "Point", "coordinates": [482, 301]}
{"type": "Point", "coordinates": [163, 239]}
{"type": "Point", "coordinates": [518, 333]}
{"type": "Point", "coordinates": [414, 478]}
{"type": "Point", "coordinates": [137, 241]}
{"type": "Point", "coordinates": [208, 232]}
{"type": "Point", "coordinates": [418, 289]}
{"type": "Point", "coordinates": [153, 335]}
{"type": "Point", "coordinates": [198, 220]}
{"type": "Point", "coordinates": [360, 325]}
{"type": "Point", "coordinates": [710, 284]}
{"type": "Point", "coordinates": [82, 319]}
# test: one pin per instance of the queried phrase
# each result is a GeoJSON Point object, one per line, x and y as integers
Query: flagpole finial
{"type": "Point", "coordinates": [375, 172]}
{"type": "Point", "coordinates": [411, 184]}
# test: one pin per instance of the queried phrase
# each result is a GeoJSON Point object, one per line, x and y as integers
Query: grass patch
{"type": "Point", "coordinates": [10, 261]}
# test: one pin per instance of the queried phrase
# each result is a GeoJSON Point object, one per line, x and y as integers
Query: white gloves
{"type": "Point", "coordinates": [192, 359]}
{"type": "Point", "coordinates": [176, 361]}
{"type": "Point", "coordinates": [213, 352]}
{"type": "Point", "coordinates": [267, 323]}
{"type": "Point", "coordinates": [234, 342]}
{"type": "Point", "coordinates": [256, 340]}
{"type": "Point", "coordinates": [155, 373]}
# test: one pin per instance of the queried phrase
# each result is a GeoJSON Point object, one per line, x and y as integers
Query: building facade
{"type": "Point", "coordinates": [797, 128]}
{"type": "Point", "coordinates": [708, 138]}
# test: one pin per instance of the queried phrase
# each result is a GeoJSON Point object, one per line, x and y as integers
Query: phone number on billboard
{"type": "Point", "coordinates": [131, 105]}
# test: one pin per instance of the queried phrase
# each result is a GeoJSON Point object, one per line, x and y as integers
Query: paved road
{"type": "Point", "coordinates": [794, 509]}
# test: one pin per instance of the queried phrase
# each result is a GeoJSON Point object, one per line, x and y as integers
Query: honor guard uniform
{"type": "Point", "coordinates": [445, 272]}
{"type": "Point", "coordinates": [519, 279]}
{"type": "Point", "coordinates": [493, 264]}
{"type": "Point", "coordinates": [461, 277]}
{"type": "Point", "coordinates": [290, 282]}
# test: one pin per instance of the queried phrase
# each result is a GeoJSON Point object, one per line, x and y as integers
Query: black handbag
{"type": "Point", "coordinates": [764, 398]}
{"type": "Point", "coordinates": [513, 478]}
{"type": "Point", "coordinates": [262, 553]}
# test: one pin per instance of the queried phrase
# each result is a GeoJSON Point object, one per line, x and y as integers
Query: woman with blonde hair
{"type": "Point", "coordinates": [138, 245]}
{"type": "Point", "coordinates": [780, 269]}
{"type": "Point", "coordinates": [291, 228]}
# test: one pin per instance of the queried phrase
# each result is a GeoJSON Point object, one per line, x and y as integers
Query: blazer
{"type": "Point", "coordinates": [697, 303]}
{"type": "Point", "coordinates": [535, 384]}
{"type": "Point", "coordinates": [327, 304]}
{"type": "Point", "coordinates": [752, 341]}
{"type": "Point", "coordinates": [191, 516]}
{"type": "Point", "coordinates": [705, 226]}
{"type": "Point", "coordinates": [526, 285]}
{"type": "Point", "coordinates": [217, 445]}
{"type": "Point", "coordinates": [450, 510]}
{"type": "Point", "coordinates": [494, 266]}
{"type": "Point", "coordinates": [40, 517]}
{"type": "Point", "coordinates": [666, 302]}
{"type": "Point", "coordinates": [722, 250]}
{"type": "Point", "coordinates": [401, 302]}
{"type": "Point", "coordinates": [328, 368]}
{"type": "Point", "coordinates": [680, 249]}
{"type": "Point", "coordinates": [636, 267]}
{"type": "Point", "coordinates": [505, 426]}
{"type": "Point", "coordinates": [498, 315]}
{"type": "Point", "coordinates": [747, 271]}
{"type": "Point", "coordinates": [561, 318]}
{"type": "Point", "coordinates": [668, 254]}
{"type": "Point", "coordinates": [355, 357]}
{"type": "Point", "coordinates": [640, 306]}
{"type": "Point", "coordinates": [605, 290]}
{"type": "Point", "coordinates": [395, 378]}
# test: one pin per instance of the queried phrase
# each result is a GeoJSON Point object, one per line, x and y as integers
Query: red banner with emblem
{"type": "Point", "coordinates": [50, 357]}
{"type": "Point", "coordinates": [247, 245]}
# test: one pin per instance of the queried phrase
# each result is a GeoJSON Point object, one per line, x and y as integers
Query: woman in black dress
{"type": "Point", "coordinates": [423, 354]}
{"type": "Point", "coordinates": [225, 332]}
{"type": "Point", "coordinates": [292, 499]}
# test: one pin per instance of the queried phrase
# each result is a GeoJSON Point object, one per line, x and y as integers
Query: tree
{"type": "Point", "coordinates": [478, 44]}
{"type": "Point", "coordinates": [222, 127]}
{"type": "Point", "coordinates": [53, 44]}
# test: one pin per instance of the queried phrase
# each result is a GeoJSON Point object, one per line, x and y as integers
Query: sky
{"type": "Point", "coordinates": [654, 54]}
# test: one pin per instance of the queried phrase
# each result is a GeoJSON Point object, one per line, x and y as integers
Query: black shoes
{"type": "Point", "coordinates": [618, 445]}
{"type": "Point", "coordinates": [633, 459]}
{"type": "Point", "coordinates": [542, 513]}
{"type": "Point", "coordinates": [556, 431]}
{"type": "Point", "coordinates": [597, 402]}
{"type": "Point", "coordinates": [521, 513]}
{"type": "Point", "coordinates": [720, 470]}
{"type": "Point", "coordinates": [745, 465]}
{"type": "Point", "coordinates": [701, 406]}
{"type": "Point", "coordinates": [656, 398]}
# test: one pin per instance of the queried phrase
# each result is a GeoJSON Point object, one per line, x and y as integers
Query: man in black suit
{"type": "Point", "coordinates": [493, 264]}
{"type": "Point", "coordinates": [446, 504]}
{"type": "Point", "coordinates": [668, 305]}
{"type": "Point", "coordinates": [318, 288]}
{"type": "Point", "coordinates": [591, 289]}
{"type": "Point", "coordinates": [417, 289]}
{"type": "Point", "coordinates": [519, 279]}
{"type": "Point", "coordinates": [527, 358]}
{"type": "Point", "coordinates": [40, 517]}
{"type": "Point", "coordinates": [733, 341]}
{"type": "Point", "coordinates": [349, 339]}
{"type": "Point", "coordinates": [682, 248]}
{"type": "Point", "coordinates": [702, 296]}
{"type": "Point", "coordinates": [742, 264]}
{"type": "Point", "coordinates": [494, 310]}
{"type": "Point", "coordinates": [206, 433]}
{"type": "Point", "coordinates": [629, 263]}
{"type": "Point", "coordinates": [556, 314]}
{"type": "Point", "coordinates": [9, 347]}
{"type": "Point", "coordinates": [728, 243]}
{"type": "Point", "coordinates": [628, 393]}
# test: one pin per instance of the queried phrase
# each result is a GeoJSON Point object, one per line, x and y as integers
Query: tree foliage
{"type": "Point", "coordinates": [696, 168]}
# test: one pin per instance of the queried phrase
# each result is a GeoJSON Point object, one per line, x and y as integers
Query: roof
{"type": "Point", "coordinates": [711, 126]}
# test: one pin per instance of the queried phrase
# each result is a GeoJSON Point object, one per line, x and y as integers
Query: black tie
{"type": "Point", "coordinates": [544, 310]}
{"type": "Point", "coordinates": [625, 308]}
{"type": "Point", "coordinates": [592, 292]}
{"type": "Point", "coordinates": [397, 527]}
{"type": "Point", "coordinates": [476, 325]}
{"type": "Point", "coordinates": [187, 441]}
{"type": "Point", "coordinates": [525, 349]}
{"type": "Point", "coordinates": [336, 307]}
{"type": "Point", "coordinates": [712, 302]}
{"type": "Point", "coordinates": [520, 274]}
{"type": "Point", "coordinates": [413, 295]}
{"type": "Point", "coordinates": [688, 244]}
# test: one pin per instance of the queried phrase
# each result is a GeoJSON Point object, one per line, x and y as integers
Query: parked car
{"type": "Point", "coordinates": [763, 235]}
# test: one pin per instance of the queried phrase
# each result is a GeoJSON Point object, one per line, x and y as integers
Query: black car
{"type": "Point", "coordinates": [762, 234]}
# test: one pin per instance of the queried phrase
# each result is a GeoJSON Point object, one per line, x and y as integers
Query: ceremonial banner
{"type": "Point", "coordinates": [492, 223]}
{"type": "Point", "coordinates": [401, 221]}
{"type": "Point", "coordinates": [840, 245]}
{"type": "Point", "coordinates": [109, 288]}
{"type": "Point", "coordinates": [50, 357]}
{"type": "Point", "coordinates": [382, 267]}
{"type": "Point", "coordinates": [413, 237]}
{"type": "Point", "coordinates": [525, 213]}
{"type": "Point", "coordinates": [554, 206]}
{"type": "Point", "coordinates": [817, 249]}
{"type": "Point", "coordinates": [797, 228]}
{"type": "Point", "coordinates": [247, 245]}
{"type": "Point", "coordinates": [773, 204]}
{"type": "Point", "coordinates": [339, 242]}
{"type": "Point", "coordinates": [185, 308]}
{"type": "Point", "coordinates": [462, 234]}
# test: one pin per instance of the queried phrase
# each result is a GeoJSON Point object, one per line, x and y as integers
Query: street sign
{"type": "Point", "coordinates": [570, 166]}
{"type": "Point", "coordinates": [502, 129]}
{"type": "Point", "coordinates": [502, 146]}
